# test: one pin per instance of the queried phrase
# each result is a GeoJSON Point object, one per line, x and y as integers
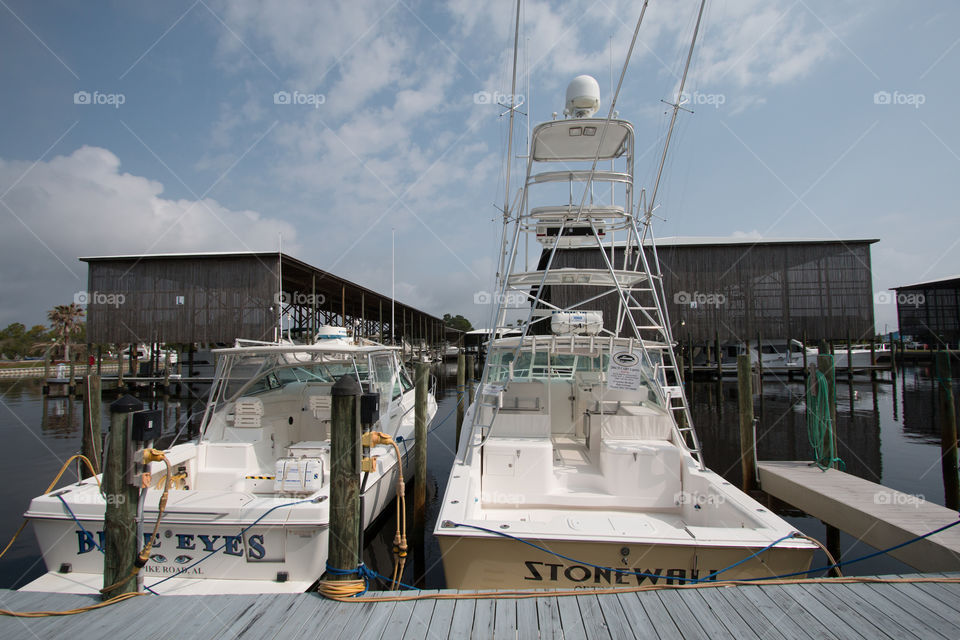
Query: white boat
{"type": "Point", "coordinates": [249, 512]}
{"type": "Point", "coordinates": [578, 466]}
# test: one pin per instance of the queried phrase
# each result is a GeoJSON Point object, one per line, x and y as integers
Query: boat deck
{"type": "Point", "coordinates": [812, 610]}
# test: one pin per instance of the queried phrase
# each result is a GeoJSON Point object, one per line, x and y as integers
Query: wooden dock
{"type": "Point", "coordinates": [879, 516]}
{"type": "Point", "coordinates": [907, 609]}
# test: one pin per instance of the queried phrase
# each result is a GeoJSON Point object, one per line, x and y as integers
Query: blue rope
{"type": "Point", "coordinates": [85, 532]}
{"type": "Point", "coordinates": [366, 574]}
{"type": "Point", "coordinates": [242, 531]}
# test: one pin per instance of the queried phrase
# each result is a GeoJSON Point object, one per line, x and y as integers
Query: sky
{"type": "Point", "coordinates": [332, 128]}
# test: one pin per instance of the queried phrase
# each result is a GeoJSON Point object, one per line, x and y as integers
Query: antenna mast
{"type": "Point", "coordinates": [513, 109]}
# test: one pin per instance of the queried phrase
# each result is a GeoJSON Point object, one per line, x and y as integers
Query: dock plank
{"type": "Point", "coordinates": [505, 619]}
{"type": "Point", "coordinates": [858, 615]}
{"type": "Point", "coordinates": [614, 617]}
{"type": "Point", "coordinates": [527, 628]}
{"type": "Point", "coordinates": [483, 618]}
{"type": "Point", "coordinates": [399, 619]}
{"type": "Point", "coordinates": [823, 614]}
{"type": "Point", "coordinates": [685, 619]}
{"type": "Point", "coordinates": [868, 511]}
{"type": "Point", "coordinates": [945, 612]}
{"type": "Point", "coordinates": [367, 620]}
{"type": "Point", "coordinates": [593, 621]}
{"type": "Point", "coordinates": [779, 615]}
{"type": "Point", "coordinates": [570, 619]}
{"type": "Point", "coordinates": [906, 618]}
{"type": "Point", "coordinates": [728, 615]}
{"type": "Point", "coordinates": [638, 619]}
{"type": "Point", "coordinates": [441, 625]}
{"type": "Point", "coordinates": [420, 618]}
{"type": "Point", "coordinates": [462, 623]}
{"type": "Point", "coordinates": [548, 618]}
{"type": "Point", "coordinates": [658, 614]}
{"type": "Point", "coordinates": [313, 610]}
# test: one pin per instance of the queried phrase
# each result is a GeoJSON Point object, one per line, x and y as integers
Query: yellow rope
{"type": "Point", "coordinates": [70, 612]}
{"type": "Point", "coordinates": [520, 594]}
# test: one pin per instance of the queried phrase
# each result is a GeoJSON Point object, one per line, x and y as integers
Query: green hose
{"type": "Point", "coordinates": [820, 426]}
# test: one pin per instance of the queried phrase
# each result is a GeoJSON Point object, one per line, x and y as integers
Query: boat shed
{"type": "Point", "coordinates": [930, 311]}
{"type": "Point", "coordinates": [214, 298]}
{"type": "Point", "coordinates": [736, 289]}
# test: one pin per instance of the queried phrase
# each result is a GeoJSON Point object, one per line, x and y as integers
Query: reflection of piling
{"type": "Point", "coordinates": [716, 345]}
{"type": "Point", "coordinates": [420, 485]}
{"type": "Point", "coordinates": [747, 435]}
{"type": "Point", "coordinates": [120, 520]}
{"type": "Point", "coordinates": [461, 382]}
{"type": "Point", "coordinates": [344, 538]}
{"type": "Point", "coordinates": [825, 364]}
{"type": "Point", "coordinates": [948, 433]}
{"type": "Point", "coordinates": [91, 443]}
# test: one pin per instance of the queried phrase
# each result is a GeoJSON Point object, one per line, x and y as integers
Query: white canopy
{"type": "Point", "coordinates": [578, 138]}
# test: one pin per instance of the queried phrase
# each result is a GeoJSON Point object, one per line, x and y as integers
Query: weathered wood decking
{"type": "Point", "coordinates": [784, 612]}
{"type": "Point", "coordinates": [877, 515]}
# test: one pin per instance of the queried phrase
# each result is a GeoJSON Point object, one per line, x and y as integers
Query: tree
{"type": "Point", "coordinates": [16, 341]}
{"type": "Point", "coordinates": [65, 324]}
{"type": "Point", "coordinates": [457, 322]}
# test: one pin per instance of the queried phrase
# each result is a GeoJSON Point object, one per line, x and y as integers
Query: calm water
{"type": "Point", "coordinates": [888, 433]}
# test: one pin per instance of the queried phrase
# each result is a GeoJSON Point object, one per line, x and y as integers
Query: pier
{"type": "Point", "coordinates": [898, 607]}
{"type": "Point", "coordinates": [879, 516]}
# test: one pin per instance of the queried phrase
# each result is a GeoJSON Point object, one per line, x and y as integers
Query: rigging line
{"type": "Point", "coordinates": [676, 109]}
{"type": "Point", "coordinates": [513, 110]}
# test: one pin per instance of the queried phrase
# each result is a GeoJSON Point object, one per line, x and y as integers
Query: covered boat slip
{"type": "Point", "coordinates": [909, 608]}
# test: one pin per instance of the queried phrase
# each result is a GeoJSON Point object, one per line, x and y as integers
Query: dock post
{"type": "Point", "coordinates": [99, 360]}
{"type": "Point", "coordinates": [91, 443]}
{"type": "Point", "coordinates": [747, 437]}
{"type": "Point", "coordinates": [120, 521]}
{"type": "Point", "coordinates": [873, 360]}
{"type": "Point", "coordinates": [46, 372]}
{"type": "Point", "coordinates": [344, 541]}
{"type": "Point", "coordinates": [849, 356]}
{"type": "Point", "coordinates": [71, 386]}
{"type": "Point", "coordinates": [833, 546]}
{"type": "Point", "coordinates": [825, 364]}
{"type": "Point", "coordinates": [948, 433]}
{"type": "Point", "coordinates": [690, 363]}
{"type": "Point", "coordinates": [471, 376]}
{"type": "Point", "coordinates": [461, 382]}
{"type": "Point", "coordinates": [420, 485]}
{"type": "Point", "coordinates": [716, 339]}
{"type": "Point", "coordinates": [166, 372]}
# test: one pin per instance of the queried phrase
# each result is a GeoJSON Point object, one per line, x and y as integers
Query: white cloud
{"type": "Point", "coordinates": [82, 204]}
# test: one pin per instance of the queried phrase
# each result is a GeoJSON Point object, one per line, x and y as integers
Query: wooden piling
{"type": "Point", "coordinates": [471, 376]}
{"type": "Point", "coordinates": [747, 436]}
{"type": "Point", "coordinates": [461, 388]}
{"type": "Point", "coordinates": [91, 443]}
{"type": "Point", "coordinates": [825, 364]}
{"type": "Point", "coordinates": [849, 357]}
{"type": "Point", "coordinates": [420, 484]}
{"type": "Point", "coordinates": [120, 520]}
{"type": "Point", "coordinates": [833, 546]}
{"type": "Point", "coordinates": [344, 538]}
{"type": "Point", "coordinates": [46, 372]}
{"type": "Point", "coordinates": [716, 339]}
{"type": "Point", "coordinates": [948, 433]}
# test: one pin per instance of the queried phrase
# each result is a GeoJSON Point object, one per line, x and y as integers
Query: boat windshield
{"type": "Point", "coordinates": [251, 375]}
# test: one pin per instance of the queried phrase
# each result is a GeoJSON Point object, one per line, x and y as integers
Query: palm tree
{"type": "Point", "coordinates": [64, 319]}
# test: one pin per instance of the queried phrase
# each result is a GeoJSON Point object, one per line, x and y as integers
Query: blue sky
{"type": "Point", "coordinates": [791, 133]}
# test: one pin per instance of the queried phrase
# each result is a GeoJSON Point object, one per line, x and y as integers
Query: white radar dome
{"type": "Point", "coordinates": [583, 97]}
